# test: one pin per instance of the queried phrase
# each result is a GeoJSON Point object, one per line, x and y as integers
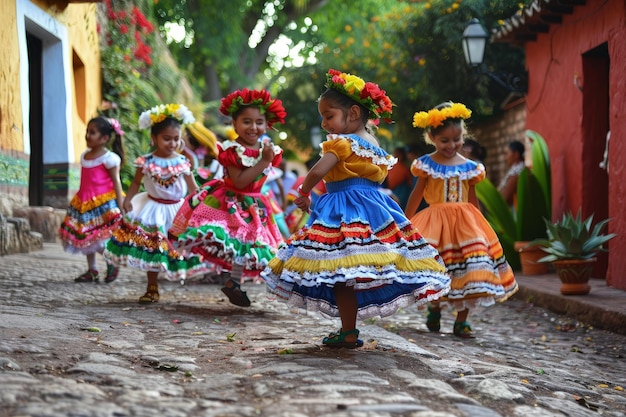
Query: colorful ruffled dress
{"type": "Point", "coordinates": [93, 212]}
{"type": "Point", "coordinates": [359, 236]}
{"type": "Point", "coordinates": [227, 225]}
{"type": "Point", "coordinates": [141, 241]}
{"type": "Point", "coordinates": [467, 243]}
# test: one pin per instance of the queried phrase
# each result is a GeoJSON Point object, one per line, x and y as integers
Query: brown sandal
{"type": "Point", "coordinates": [90, 276]}
{"type": "Point", "coordinates": [151, 296]}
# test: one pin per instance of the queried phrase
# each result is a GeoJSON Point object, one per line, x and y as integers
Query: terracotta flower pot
{"type": "Point", "coordinates": [529, 258]}
{"type": "Point", "coordinates": [574, 275]}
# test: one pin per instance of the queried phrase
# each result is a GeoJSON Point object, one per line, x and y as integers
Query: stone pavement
{"type": "Point", "coordinates": [70, 349]}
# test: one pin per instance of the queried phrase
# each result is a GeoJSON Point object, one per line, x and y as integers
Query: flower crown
{"type": "Point", "coordinates": [115, 124]}
{"type": "Point", "coordinates": [435, 117]}
{"type": "Point", "coordinates": [159, 113]}
{"type": "Point", "coordinates": [367, 94]}
{"type": "Point", "coordinates": [272, 108]}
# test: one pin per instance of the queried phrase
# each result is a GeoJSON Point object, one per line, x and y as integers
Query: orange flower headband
{"type": "Point", "coordinates": [436, 117]}
{"type": "Point", "coordinates": [367, 94]}
{"type": "Point", "coordinates": [272, 108]}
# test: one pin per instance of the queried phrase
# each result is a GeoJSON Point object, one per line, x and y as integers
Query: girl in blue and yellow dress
{"type": "Point", "coordinates": [358, 256]}
{"type": "Point", "coordinates": [141, 241]}
{"type": "Point", "coordinates": [453, 222]}
{"type": "Point", "coordinates": [229, 221]}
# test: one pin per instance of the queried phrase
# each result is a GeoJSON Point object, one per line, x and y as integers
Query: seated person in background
{"type": "Point", "coordinates": [514, 157]}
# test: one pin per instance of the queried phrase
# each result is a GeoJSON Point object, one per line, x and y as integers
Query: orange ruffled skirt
{"type": "Point", "coordinates": [472, 254]}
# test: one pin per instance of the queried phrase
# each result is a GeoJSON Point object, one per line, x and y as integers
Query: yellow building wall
{"type": "Point", "coordinates": [81, 23]}
{"type": "Point", "coordinates": [60, 179]}
{"type": "Point", "coordinates": [10, 104]}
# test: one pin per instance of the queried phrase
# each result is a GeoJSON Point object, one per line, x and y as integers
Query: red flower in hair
{"type": "Point", "coordinates": [272, 108]}
{"type": "Point", "coordinates": [368, 94]}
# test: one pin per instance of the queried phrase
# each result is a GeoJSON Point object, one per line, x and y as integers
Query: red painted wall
{"type": "Point", "coordinates": [555, 110]}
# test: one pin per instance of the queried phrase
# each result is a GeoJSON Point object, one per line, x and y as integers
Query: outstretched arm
{"type": "Point", "coordinates": [472, 197]}
{"type": "Point", "coordinates": [415, 198]}
{"type": "Point", "coordinates": [132, 190]}
{"type": "Point", "coordinates": [191, 183]}
{"type": "Point", "coordinates": [114, 173]}
{"type": "Point", "coordinates": [315, 175]}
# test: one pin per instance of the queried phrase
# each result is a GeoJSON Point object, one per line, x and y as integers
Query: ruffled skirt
{"type": "Point", "coordinates": [89, 224]}
{"type": "Point", "coordinates": [227, 228]}
{"type": "Point", "coordinates": [471, 252]}
{"type": "Point", "coordinates": [141, 241]}
{"type": "Point", "coordinates": [358, 236]}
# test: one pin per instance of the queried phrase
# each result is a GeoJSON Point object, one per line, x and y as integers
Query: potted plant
{"type": "Point", "coordinates": [534, 203]}
{"type": "Point", "coordinates": [571, 246]}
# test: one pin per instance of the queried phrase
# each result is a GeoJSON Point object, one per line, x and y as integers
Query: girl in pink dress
{"type": "Point", "coordinates": [229, 222]}
{"type": "Point", "coordinates": [95, 209]}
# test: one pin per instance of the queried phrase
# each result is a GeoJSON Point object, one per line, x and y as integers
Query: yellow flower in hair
{"type": "Point", "coordinates": [436, 117]}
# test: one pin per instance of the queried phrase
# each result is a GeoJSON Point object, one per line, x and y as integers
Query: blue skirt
{"type": "Point", "coordinates": [359, 236]}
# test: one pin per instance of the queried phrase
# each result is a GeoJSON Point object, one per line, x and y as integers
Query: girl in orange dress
{"type": "Point", "coordinates": [453, 223]}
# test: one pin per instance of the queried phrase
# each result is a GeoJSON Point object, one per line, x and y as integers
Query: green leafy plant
{"type": "Point", "coordinates": [571, 237]}
{"type": "Point", "coordinates": [534, 202]}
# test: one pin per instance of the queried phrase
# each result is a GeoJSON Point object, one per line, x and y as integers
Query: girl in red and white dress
{"type": "Point", "coordinates": [229, 221]}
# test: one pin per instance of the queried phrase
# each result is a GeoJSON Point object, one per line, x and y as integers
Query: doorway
{"type": "Point", "coordinates": [595, 127]}
{"type": "Point", "coordinates": [35, 120]}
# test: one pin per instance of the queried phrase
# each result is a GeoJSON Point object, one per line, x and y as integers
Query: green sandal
{"type": "Point", "coordinates": [462, 329]}
{"type": "Point", "coordinates": [433, 320]}
{"type": "Point", "coordinates": [338, 339]}
{"type": "Point", "coordinates": [112, 272]}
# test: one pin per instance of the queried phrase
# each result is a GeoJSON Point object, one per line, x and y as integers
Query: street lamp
{"type": "Point", "coordinates": [474, 41]}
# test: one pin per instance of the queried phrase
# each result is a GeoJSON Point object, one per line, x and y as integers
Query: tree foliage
{"type": "Point", "coordinates": [411, 48]}
{"type": "Point", "coordinates": [228, 42]}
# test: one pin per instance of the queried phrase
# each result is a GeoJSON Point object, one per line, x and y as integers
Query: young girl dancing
{"type": "Point", "coordinates": [229, 222]}
{"type": "Point", "coordinates": [141, 240]}
{"type": "Point", "coordinates": [358, 256]}
{"type": "Point", "coordinates": [95, 210]}
{"type": "Point", "coordinates": [453, 223]}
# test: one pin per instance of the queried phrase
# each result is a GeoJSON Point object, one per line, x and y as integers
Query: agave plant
{"type": "Point", "coordinates": [573, 238]}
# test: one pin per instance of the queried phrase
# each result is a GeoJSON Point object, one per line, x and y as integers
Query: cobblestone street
{"type": "Point", "coordinates": [69, 349]}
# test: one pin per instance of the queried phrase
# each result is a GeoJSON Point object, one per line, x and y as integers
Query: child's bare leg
{"type": "Point", "coordinates": [347, 305]}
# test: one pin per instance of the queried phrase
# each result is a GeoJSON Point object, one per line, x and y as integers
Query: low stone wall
{"type": "Point", "coordinates": [16, 236]}
{"type": "Point", "coordinates": [43, 219]}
